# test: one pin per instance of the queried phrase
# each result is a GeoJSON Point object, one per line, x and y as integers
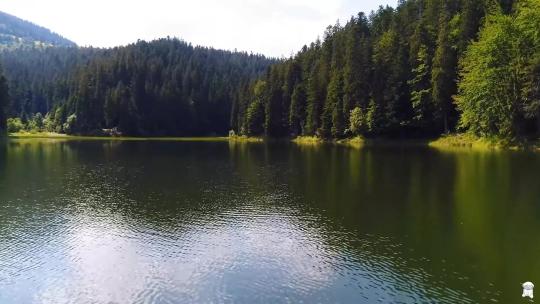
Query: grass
{"type": "Point", "coordinates": [45, 135]}
{"type": "Point", "coordinates": [355, 142]}
{"type": "Point", "coordinates": [37, 135]}
{"type": "Point", "coordinates": [308, 140]}
{"type": "Point", "coordinates": [245, 139]}
{"type": "Point", "coordinates": [452, 141]}
{"type": "Point", "coordinates": [469, 141]}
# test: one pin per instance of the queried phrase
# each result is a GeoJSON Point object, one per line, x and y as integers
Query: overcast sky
{"type": "Point", "coordinates": [271, 27]}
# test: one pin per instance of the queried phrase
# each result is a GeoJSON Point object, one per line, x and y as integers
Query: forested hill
{"type": "Point", "coordinates": [424, 68]}
{"type": "Point", "coordinates": [16, 33]}
{"type": "Point", "coordinates": [165, 87]}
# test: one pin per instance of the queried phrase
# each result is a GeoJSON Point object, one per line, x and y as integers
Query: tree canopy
{"type": "Point", "coordinates": [500, 75]}
{"type": "Point", "coordinates": [424, 68]}
{"type": "Point", "coordinates": [397, 72]}
{"type": "Point", "coordinates": [163, 87]}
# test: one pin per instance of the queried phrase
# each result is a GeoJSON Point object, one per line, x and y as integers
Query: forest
{"type": "Point", "coordinates": [422, 69]}
{"type": "Point", "coordinates": [16, 33]}
{"type": "Point", "coordinates": [165, 87]}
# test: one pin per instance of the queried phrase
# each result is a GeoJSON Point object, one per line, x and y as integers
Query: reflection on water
{"type": "Point", "coordinates": [170, 222]}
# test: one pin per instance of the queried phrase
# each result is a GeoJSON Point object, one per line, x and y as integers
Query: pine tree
{"type": "Point", "coordinates": [356, 70]}
{"type": "Point", "coordinates": [297, 115]}
{"type": "Point", "coordinates": [4, 101]}
{"type": "Point", "coordinates": [443, 77]}
{"type": "Point", "coordinates": [315, 99]}
{"type": "Point", "coordinates": [255, 116]}
{"type": "Point", "coordinates": [421, 88]}
{"type": "Point", "coordinates": [333, 120]}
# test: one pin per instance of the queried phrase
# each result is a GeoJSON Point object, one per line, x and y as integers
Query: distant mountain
{"type": "Point", "coordinates": [16, 33]}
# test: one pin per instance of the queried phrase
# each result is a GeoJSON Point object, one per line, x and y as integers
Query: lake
{"type": "Point", "coordinates": [214, 222]}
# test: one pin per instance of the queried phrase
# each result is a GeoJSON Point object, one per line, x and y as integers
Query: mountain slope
{"type": "Point", "coordinates": [400, 73]}
{"type": "Point", "coordinates": [157, 88]}
{"type": "Point", "coordinates": [15, 33]}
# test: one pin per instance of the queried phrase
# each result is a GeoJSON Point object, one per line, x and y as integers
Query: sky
{"type": "Point", "coordinates": [276, 28]}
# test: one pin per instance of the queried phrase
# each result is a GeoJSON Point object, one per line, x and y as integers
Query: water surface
{"type": "Point", "coordinates": [181, 222]}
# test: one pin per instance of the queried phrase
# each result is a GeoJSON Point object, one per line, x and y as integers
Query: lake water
{"type": "Point", "coordinates": [184, 222]}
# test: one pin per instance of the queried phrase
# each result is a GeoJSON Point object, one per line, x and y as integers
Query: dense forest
{"type": "Point", "coordinates": [165, 87]}
{"type": "Point", "coordinates": [422, 69]}
{"type": "Point", "coordinates": [18, 33]}
{"type": "Point", "coordinates": [4, 101]}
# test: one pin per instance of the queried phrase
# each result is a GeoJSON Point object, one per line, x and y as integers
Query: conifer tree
{"type": "Point", "coordinates": [443, 76]}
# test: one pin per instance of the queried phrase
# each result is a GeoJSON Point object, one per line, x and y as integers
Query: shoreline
{"type": "Point", "coordinates": [472, 142]}
{"type": "Point", "coordinates": [46, 135]}
{"type": "Point", "coordinates": [461, 141]}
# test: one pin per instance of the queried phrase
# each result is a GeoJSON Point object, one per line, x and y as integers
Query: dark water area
{"type": "Point", "coordinates": [213, 222]}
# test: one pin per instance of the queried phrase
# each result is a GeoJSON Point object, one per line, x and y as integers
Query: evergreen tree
{"type": "Point", "coordinates": [395, 72]}
{"type": "Point", "coordinates": [255, 116]}
{"type": "Point", "coordinates": [315, 99]}
{"type": "Point", "coordinates": [444, 76]}
{"type": "Point", "coordinates": [497, 91]}
{"type": "Point", "coordinates": [297, 115]}
{"type": "Point", "coordinates": [4, 101]}
{"type": "Point", "coordinates": [421, 89]}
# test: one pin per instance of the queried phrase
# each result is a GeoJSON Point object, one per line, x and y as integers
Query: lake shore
{"type": "Point", "coordinates": [468, 141]}
{"type": "Point", "coordinates": [452, 141]}
{"type": "Point", "coordinates": [356, 142]}
{"type": "Point", "coordinates": [50, 135]}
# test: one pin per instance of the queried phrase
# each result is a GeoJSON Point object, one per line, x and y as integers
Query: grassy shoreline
{"type": "Point", "coordinates": [314, 140]}
{"type": "Point", "coordinates": [468, 141]}
{"type": "Point", "coordinates": [245, 139]}
{"type": "Point", "coordinates": [453, 141]}
{"type": "Point", "coordinates": [48, 135]}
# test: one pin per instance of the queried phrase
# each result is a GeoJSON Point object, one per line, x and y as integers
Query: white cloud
{"type": "Point", "coordinates": [271, 27]}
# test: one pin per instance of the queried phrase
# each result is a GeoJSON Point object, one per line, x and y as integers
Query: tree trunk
{"type": "Point", "coordinates": [446, 131]}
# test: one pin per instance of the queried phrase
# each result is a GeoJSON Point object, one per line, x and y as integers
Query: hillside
{"type": "Point", "coordinates": [420, 70]}
{"type": "Point", "coordinates": [16, 33]}
{"type": "Point", "coordinates": [162, 87]}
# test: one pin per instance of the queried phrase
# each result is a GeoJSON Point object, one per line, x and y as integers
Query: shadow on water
{"type": "Point", "coordinates": [217, 222]}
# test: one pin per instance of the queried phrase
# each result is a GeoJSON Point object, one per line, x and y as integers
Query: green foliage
{"type": "Point", "coordinates": [374, 118]}
{"type": "Point", "coordinates": [69, 125]}
{"type": "Point", "coordinates": [297, 115]}
{"type": "Point", "coordinates": [496, 93]}
{"type": "Point", "coordinates": [315, 98]}
{"type": "Point", "coordinates": [393, 73]}
{"type": "Point", "coordinates": [15, 125]}
{"type": "Point", "coordinates": [398, 68]}
{"type": "Point", "coordinates": [358, 122]}
{"type": "Point", "coordinates": [332, 120]}
{"type": "Point", "coordinates": [35, 124]}
{"type": "Point", "coordinates": [255, 114]}
{"type": "Point", "coordinates": [17, 33]}
{"type": "Point", "coordinates": [49, 123]}
{"type": "Point", "coordinates": [421, 88]}
{"type": "Point", "coordinates": [165, 87]}
{"type": "Point", "coordinates": [4, 101]}
{"type": "Point", "coordinates": [444, 75]}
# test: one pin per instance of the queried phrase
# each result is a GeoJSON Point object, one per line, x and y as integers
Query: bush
{"type": "Point", "coordinates": [69, 125]}
{"type": "Point", "coordinates": [357, 121]}
{"type": "Point", "coordinates": [15, 125]}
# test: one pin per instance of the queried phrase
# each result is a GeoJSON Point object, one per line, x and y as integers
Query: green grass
{"type": "Point", "coordinates": [45, 135]}
{"type": "Point", "coordinates": [453, 141]}
{"type": "Point", "coordinates": [308, 140]}
{"type": "Point", "coordinates": [469, 141]}
{"type": "Point", "coordinates": [355, 142]}
{"type": "Point", "coordinates": [244, 139]}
